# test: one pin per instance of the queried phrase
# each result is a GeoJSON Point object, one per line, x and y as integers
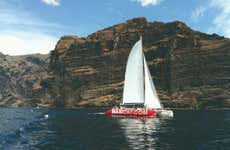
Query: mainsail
{"type": "Point", "coordinates": [134, 86]}
{"type": "Point", "coordinates": [138, 86]}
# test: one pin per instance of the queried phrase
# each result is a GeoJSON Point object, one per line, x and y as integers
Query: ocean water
{"type": "Point", "coordinates": [90, 129]}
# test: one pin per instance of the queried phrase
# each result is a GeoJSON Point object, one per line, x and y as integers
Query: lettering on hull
{"type": "Point", "coordinates": [129, 112]}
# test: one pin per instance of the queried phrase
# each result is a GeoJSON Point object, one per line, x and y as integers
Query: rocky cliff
{"type": "Point", "coordinates": [20, 80]}
{"type": "Point", "coordinates": [190, 69]}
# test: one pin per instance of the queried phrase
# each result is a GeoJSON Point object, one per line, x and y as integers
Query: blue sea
{"type": "Point", "coordinates": [90, 129]}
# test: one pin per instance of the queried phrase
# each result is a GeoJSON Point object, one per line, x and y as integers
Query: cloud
{"type": "Point", "coordinates": [11, 16]}
{"type": "Point", "coordinates": [21, 32]}
{"type": "Point", "coordinates": [26, 42]}
{"type": "Point", "coordinates": [221, 22]}
{"type": "Point", "coordinates": [198, 12]}
{"type": "Point", "coordinates": [219, 16]}
{"type": "Point", "coordinates": [52, 2]}
{"type": "Point", "coordinates": [147, 2]}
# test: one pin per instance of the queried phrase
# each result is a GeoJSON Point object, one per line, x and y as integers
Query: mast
{"type": "Point", "coordinates": [143, 66]}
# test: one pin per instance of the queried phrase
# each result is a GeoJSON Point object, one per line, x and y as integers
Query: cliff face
{"type": "Point", "coordinates": [20, 79]}
{"type": "Point", "coordinates": [190, 69]}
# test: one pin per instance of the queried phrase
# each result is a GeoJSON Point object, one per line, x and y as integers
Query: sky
{"type": "Point", "coordinates": [34, 26]}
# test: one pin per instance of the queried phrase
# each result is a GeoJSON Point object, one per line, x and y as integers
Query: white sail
{"type": "Point", "coordinates": [134, 76]}
{"type": "Point", "coordinates": [151, 99]}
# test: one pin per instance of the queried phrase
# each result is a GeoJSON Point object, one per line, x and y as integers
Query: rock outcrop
{"type": "Point", "coordinates": [190, 69]}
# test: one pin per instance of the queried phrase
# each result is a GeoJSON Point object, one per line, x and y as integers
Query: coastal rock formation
{"type": "Point", "coordinates": [20, 78]}
{"type": "Point", "coordinates": [190, 69]}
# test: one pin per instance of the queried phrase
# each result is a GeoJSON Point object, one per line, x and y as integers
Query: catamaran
{"type": "Point", "coordinates": [139, 95]}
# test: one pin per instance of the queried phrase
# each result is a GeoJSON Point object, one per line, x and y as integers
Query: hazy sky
{"type": "Point", "coordinates": [34, 26]}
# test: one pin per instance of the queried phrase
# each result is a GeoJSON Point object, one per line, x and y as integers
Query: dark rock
{"type": "Point", "coordinates": [186, 65]}
{"type": "Point", "coordinates": [20, 78]}
{"type": "Point", "coordinates": [190, 69]}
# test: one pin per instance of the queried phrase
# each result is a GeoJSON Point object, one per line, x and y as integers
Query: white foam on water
{"type": "Point", "coordinates": [97, 113]}
{"type": "Point", "coordinates": [46, 116]}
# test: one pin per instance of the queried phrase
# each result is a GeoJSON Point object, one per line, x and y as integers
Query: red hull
{"type": "Point", "coordinates": [131, 112]}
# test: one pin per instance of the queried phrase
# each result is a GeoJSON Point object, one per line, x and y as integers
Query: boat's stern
{"type": "Point", "coordinates": [165, 113]}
